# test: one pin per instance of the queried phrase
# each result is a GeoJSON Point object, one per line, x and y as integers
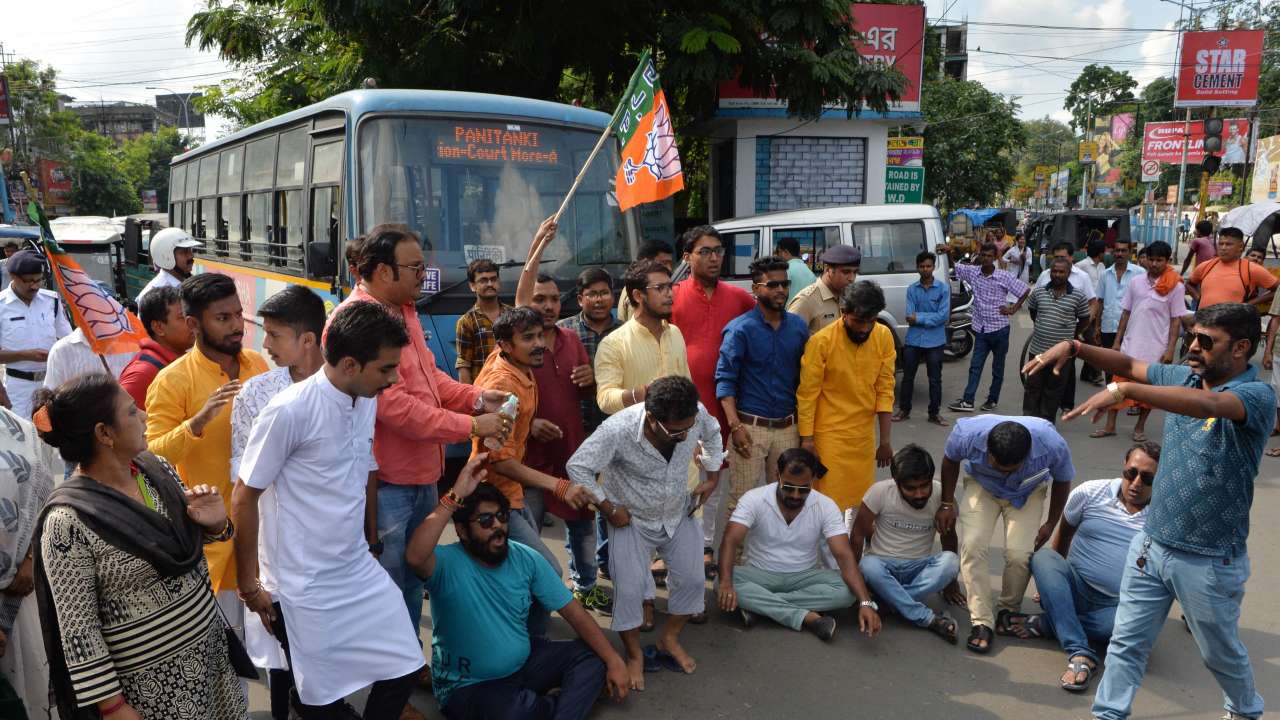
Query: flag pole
{"type": "Point", "coordinates": [608, 130]}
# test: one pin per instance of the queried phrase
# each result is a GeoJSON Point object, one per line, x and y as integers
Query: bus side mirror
{"type": "Point", "coordinates": [320, 261]}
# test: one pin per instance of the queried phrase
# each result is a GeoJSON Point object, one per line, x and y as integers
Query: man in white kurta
{"type": "Point", "coordinates": [346, 620]}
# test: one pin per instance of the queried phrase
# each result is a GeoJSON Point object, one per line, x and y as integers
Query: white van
{"type": "Point", "coordinates": [889, 236]}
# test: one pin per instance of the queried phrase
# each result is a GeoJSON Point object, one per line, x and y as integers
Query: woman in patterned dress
{"type": "Point", "coordinates": [130, 623]}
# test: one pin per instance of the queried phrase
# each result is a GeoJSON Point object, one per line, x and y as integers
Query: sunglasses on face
{"type": "Point", "coordinates": [801, 489]}
{"type": "Point", "coordinates": [673, 435]}
{"type": "Point", "coordinates": [1205, 341]}
{"type": "Point", "coordinates": [775, 284]}
{"type": "Point", "coordinates": [486, 520]}
{"type": "Point", "coordinates": [1147, 478]}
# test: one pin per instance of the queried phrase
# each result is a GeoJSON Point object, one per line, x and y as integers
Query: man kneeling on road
{"type": "Point", "coordinates": [897, 516]}
{"type": "Point", "coordinates": [1079, 577]}
{"type": "Point", "coordinates": [782, 578]}
{"type": "Point", "coordinates": [484, 662]}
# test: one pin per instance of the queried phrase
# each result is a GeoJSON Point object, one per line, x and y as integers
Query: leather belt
{"type": "Point", "coordinates": [771, 423]}
{"type": "Point", "coordinates": [37, 376]}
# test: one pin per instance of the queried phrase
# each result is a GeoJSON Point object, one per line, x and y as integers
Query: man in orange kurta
{"type": "Point", "coordinates": [846, 387]}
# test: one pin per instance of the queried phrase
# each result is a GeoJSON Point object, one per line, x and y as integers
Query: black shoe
{"type": "Point", "coordinates": [748, 617]}
{"type": "Point", "coordinates": [988, 406]}
{"type": "Point", "coordinates": [961, 406]}
{"type": "Point", "coordinates": [824, 628]}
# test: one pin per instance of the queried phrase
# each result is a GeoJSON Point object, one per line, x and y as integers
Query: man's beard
{"type": "Point", "coordinates": [227, 347]}
{"type": "Point", "coordinates": [486, 553]}
{"type": "Point", "coordinates": [771, 305]}
{"type": "Point", "coordinates": [1211, 373]}
{"type": "Point", "coordinates": [857, 337]}
{"type": "Point", "coordinates": [659, 313]}
{"type": "Point", "coordinates": [791, 503]}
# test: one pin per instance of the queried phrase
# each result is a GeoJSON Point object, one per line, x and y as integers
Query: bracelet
{"type": "Point", "coordinates": [562, 488]}
{"type": "Point", "coordinates": [475, 426]}
{"type": "Point", "coordinates": [225, 533]}
{"type": "Point", "coordinates": [945, 504]}
{"type": "Point", "coordinates": [247, 596]}
{"type": "Point", "coordinates": [633, 396]}
{"type": "Point", "coordinates": [1075, 348]}
{"type": "Point", "coordinates": [450, 502]}
{"type": "Point", "coordinates": [734, 427]}
{"type": "Point", "coordinates": [113, 708]}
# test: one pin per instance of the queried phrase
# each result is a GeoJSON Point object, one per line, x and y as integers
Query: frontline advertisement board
{"type": "Point", "coordinates": [1219, 67]}
{"type": "Point", "coordinates": [1162, 141]}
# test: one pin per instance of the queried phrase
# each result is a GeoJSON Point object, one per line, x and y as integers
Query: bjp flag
{"type": "Point", "coordinates": [650, 168]}
{"type": "Point", "coordinates": [108, 326]}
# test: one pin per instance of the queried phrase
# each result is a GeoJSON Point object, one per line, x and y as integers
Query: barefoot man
{"type": "Point", "coordinates": [643, 453]}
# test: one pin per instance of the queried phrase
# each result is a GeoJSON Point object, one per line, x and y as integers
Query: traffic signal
{"type": "Point", "coordinates": [1212, 144]}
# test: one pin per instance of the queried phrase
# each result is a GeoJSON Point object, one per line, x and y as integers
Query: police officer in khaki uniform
{"type": "Point", "coordinates": [819, 304]}
{"type": "Point", "coordinates": [31, 321]}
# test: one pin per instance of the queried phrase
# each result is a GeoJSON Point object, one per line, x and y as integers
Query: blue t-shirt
{"type": "Point", "coordinates": [479, 615]}
{"type": "Point", "coordinates": [1204, 487]}
{"type": "Point", "coordinates": [1104, 529]}
{"type": "Point", "coordinates": [1048, 461]}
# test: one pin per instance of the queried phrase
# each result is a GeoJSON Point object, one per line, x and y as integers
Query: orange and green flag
{"type": "Point", "coordinates": [650, 168]}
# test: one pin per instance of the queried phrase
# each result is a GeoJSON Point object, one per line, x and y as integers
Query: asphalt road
{"type": "Point", "coordinates": [772, 672]}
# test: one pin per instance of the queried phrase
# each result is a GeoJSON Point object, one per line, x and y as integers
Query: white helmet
{"type": "Point", "coordinates": [165, 242]}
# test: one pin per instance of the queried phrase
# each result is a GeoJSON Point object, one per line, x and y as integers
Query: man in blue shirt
{"type": "Point", "coordinates": [798, 272]}
{"type": "Point", "coordinates": [1079, 577]}
{"type": "Point", "coordinates": [484, 663]}
{"type": "Point", "coordinates": [1111, 289]}
{"type": "Point", "coordinates": [928, 309]}
{"type": "Point", "coordinates": [1009, 461]}
{"type": "Point", "coordinates": [1193, 549]}
{"type": "Point", "coordinates": [756, 380]}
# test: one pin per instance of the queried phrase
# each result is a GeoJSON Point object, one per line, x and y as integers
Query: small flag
{"type": "Point", "coordinates": [650, 168]}
{"type": "Point", "coordinates": [109, 327]}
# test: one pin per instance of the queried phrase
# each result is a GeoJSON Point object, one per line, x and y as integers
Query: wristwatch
{"type": "Point", "coordinates": [869, 604]}
{"type": "Point", "coordinates": [1116, 392]}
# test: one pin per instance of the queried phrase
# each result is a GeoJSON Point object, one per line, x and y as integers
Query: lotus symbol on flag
{"type": "Point", "coordinates": [661, 158]}
{"type": "Point", "coordinates": [104, 316]}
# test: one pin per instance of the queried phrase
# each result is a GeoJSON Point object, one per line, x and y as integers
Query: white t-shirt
{"type": "Point", "coordinates": [72, 357]}
{"type": "Point", "coordinates": [1079, 280]}
{"type": "Point", "coordinates": [162, 279]}
{"type": "Point", "coordinates": [902, 532]}
{"type": "Point", "coordinates": [775, 545]}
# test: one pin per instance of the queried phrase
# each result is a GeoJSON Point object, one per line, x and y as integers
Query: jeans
{"type": "Point", "coordinates": [1210, 590]}
{"type": "Point", "coordinates": [904, 583]}
{"type": "Point", "coordinates": [523, 529]}
{"type": "Point", "coordinates": [1044, 391]}
{"type": "Point", "coordinates": [995, 344]}
{"type": "Point", "coordinates": [1074, 612]}
{"type": "Point", "coordinates": [911, 357]}
{"type": "Point", "coordinates": [401, 509]}
{"type": "Point", "coordinates": [579, 543]}
{"type": "Point", "coordinates": [566, 664]}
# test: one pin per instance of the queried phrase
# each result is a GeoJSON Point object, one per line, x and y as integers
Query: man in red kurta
{"type": "Point", "coordinates": [703, 306]}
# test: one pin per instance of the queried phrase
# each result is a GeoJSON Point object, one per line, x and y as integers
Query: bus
{"type": "Point", "coordinates": [472, 174]}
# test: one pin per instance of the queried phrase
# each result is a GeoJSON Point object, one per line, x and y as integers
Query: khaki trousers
{"type": "Point", "coordinates": [761, 467]}
{"type": "Point", "coordinates": [979, 512]}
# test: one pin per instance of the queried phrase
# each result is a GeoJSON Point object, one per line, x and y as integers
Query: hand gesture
{"type": "Point", "coordinates": [617, 681]}
{"type": "Point", "coordinates": [884, 454]}
{"type": "Point", "coordinates": [1098, 405]}
{"type": "Point", "coordinates": [945, 519]}
{"type": "Point", "coordinates": [1043, 535]}
{"type": "Point", "coordinates": [741, 440]}
{"type": "Point", "coordinates": [543, 237]}
{"type": "Point", "coordinates": [951, 593]}
{"type": "Point", "coordinates": [260, 603]}
{"type": "Point", "coordinates": [703, 491]}
{"type": "Point", "coordinates": [220, 398]}
{"type": "Point", "coordinates": [868, 621]}
{"type": "Point", "coordinates": [544, 430]}
{"type": "Point", "coordinates": [205, 507]}
{"type": "Point", "coordinates": [583, 376]}
{"type": "Point", "coordinates": [23, 581]}
{"type": "Point", "coordinates": [621, 517]}
{"type": "Point", "coordinates": [577, 497]}
{"type": "Point", "coordinates": [492, 425]}
{"type": "Point", "coordinates": [470, 476]}
{"type": "Point", "coordinates": [491, 400]}
{"type": "Point", "coordinates": [1055, 357]}
{"type": "Point", "coordinates": [728, 596]}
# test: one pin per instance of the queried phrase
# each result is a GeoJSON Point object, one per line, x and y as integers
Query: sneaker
{"type": "Point", "coordinates": [595, 599]}
{"type": "Point", "coordinates": [961, 406]}
{"type": "Point", "coordinates": [748, 617]}
{"type": "Point", "coordinates": [987, 406]}
{"type": "Point", "coordinates": [824, 628]}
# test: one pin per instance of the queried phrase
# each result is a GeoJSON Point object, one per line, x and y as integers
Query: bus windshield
{"type": "Point", "coordinates": [479, 188]}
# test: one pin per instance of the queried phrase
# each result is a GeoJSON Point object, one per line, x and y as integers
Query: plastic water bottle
{"type": "Point", "coordinates": [508, 411]}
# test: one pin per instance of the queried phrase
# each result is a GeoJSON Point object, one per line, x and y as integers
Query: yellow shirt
{"type": "Point", "coordinates": [817, 305]}
{"type": "Point", "coordinates": [631, 356]}
{"type": "Point", "coordinates": [176, 395]}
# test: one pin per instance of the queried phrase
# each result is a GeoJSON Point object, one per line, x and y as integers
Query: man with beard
{"type": "Point", "coordinates": [899, 564]}
{"type": "Point", "coordinates": [1193, 548]}
{"type": "Point", "coordinates": [784, 524]}
{"type": "Point", "coordinates": [636, 469]}
{"type": "Point", "coordinates": [819, 304]}
{"type": "Point", "coordinates": [1060, 312]}
{"type": "Point", "coordinates": [756, 380]}
{"type": "Point", "coordinates": [474, 330]}
{"type": "Point", "coordinates": [646, 347]}
{"type": "Point", "coordinates": [174, 255]}
{"type": "Point", "coordinates": [340, 618]}
{"type": "Point", "coordinates": [846, 389]}
{"type": "Point", "coordinates": [189, 403]}
{"type": "Point", "coordinates": [659, 251]}
{"type": "Point", "coordinates": [1079, 577]}
{"type": "Point", "coordinates": [522, 348]}
{"type": "Point", "coordinates": [485, 663]}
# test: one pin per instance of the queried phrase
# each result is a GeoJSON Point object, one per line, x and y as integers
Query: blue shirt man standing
{"type": "Point", "coordinates": [1115, 280]}
{"type": "Point", "coordinates": [928, 309]}
{"type": "Point", "coordinates": [1193, 548]}
{"type": "Point", "coordinates": [757, 375]}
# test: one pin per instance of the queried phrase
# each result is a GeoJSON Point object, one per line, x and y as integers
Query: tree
{"type": "Point", "coordinates": [40, 128]}
{"type": "Point", "coordinates": [969, 139]}
{"type": "Point", "coordinates": [1049, 142]}
{"type": "Point", "coordinates": [99, 184]}
{"type": "Point", "coordinates": [1097, 88]}
{"type": "Point", "coordinates": [146, 160]}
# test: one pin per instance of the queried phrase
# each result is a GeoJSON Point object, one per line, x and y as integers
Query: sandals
{"type": "Point", "coordinates": [1273, 452]}
{"type": "Point", "coordinates": [1031, 627]}
{"type": "Point", "coordinates": [944, 627]}
{"type": "Point", "coordinates": [899, 416]}
{"type": "Point", "coordinates": [938, 420]}
{"type": "Point", "coordinates": [1004, 622]}
{"type": "Point", "coordinates": [1102, 433]}
{"type": "Point", "coordinates": [1139, 437]}
{"type": "Point", "coordinates": [980, 633]}
{"type": "Point", "coordinates": [1075, 666]}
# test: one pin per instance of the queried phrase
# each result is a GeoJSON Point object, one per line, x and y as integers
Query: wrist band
{"type": "Point", "coordinates": [734, 428]}
{"type": "Point", "coordinates": [562, 488]}
{"type": "Point", "coordinates": [450, 502]}
{"type": "Point", "coordinates": [247, 596]}
{"type": "Point", "coordinates": [475, 426]}
{"type": "Point", "coordinates": [113, 707]}
{"type": "Point", "coordinates": [225, 533]}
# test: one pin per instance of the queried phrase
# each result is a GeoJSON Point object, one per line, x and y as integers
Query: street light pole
{"type": "Point", "coordinates": [186, 114]}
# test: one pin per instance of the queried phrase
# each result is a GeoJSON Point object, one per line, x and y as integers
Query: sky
{"type": "Point", "coordinates": [114, 51]}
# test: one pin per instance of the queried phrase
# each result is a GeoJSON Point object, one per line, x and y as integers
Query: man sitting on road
{"type": "Point", "coordinates": [1079, 577]}
{"type": "Point", "coordinates": [782, 578]}
{"type": "Point", "coordinates": [900, 566]}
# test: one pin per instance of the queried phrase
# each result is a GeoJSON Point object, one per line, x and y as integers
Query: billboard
{"type": "Point", "coordinates": [1109, 133]}
{"type": "Point", "coordinates": [1219, 67]}
{"type": "Point", "coordinates": [181, 106]}
{"type": "Point", "coordinates": [1088, 152]}
{"type": "Point", "coordinates": [892, 34]}
{"type": "Point", "coordinates": [1162, 141]}
{"type": "Point", "coordinates": [6, 114]}
{"type": "Point", "coordinates": [905, 152]}
{"type": "Point", "coordinates": [1266, 171]}
{"type": "Point", "coordinates": [55, 182]}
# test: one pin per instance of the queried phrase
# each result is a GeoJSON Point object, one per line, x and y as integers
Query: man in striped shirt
{"type": "Point", "coordinates": [1060, 312]}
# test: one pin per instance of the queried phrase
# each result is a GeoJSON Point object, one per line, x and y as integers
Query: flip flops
{"type": "Point", "coordinates": [660, 660]}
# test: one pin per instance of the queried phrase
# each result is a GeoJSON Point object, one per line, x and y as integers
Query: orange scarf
{"type": "Point", "coordinates": [1168, 281]}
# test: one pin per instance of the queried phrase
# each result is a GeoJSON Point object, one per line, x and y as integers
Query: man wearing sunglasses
{"type": "Point", "coordinates": [783, 525]}
{"type": "Point", "coordinates": [1079, 577]}
{"type": "Point", "coordinates": [756, 380]}
{"type": "Point", "coordinates": [1193, 548]}
{"type": "Point", "coordinates": [642, 455]}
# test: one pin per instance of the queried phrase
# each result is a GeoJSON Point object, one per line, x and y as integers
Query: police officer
{"type": "Point", "coordinates": [819, 304]}
{"type": "Point", "coordinates": [31, 321]}
{"type": "Point", "coordinates": [173, 253]}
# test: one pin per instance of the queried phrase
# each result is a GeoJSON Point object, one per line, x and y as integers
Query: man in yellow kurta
{"type": "Point", "coordinates": [846, 387]}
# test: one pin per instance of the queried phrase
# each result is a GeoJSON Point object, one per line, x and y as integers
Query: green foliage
{"type": "Point", "coordinates": [969, 143]}
{"type": "Point", "coordinates": [100, 185]}
{"type": "Point", "coordinates": [1049, 142]}
{"type": "Point", "coordinates": [41, 129]}
{"type": "Point", "coordinates": [146, 160]}
{"type": "Point", "coordinates": [1099, 89]}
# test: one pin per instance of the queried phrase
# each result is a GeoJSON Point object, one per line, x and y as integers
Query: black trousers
{"type": "Point", "coordinates": [568, 665]}
{"type": "Point", "coordinates": [911, 357]}
{"type": "Point", "coordinates": [387, 698]}
{"type": "Point", "coordinates": [1043, 394]}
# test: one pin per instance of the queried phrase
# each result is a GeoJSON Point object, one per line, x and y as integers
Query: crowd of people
{"type": "Point", "coordinates": [220, 517]}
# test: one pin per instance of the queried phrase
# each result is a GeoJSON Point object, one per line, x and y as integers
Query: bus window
{"type": "Point", "coordinates": [177, 185]}
{"type": "Point", "coordinates": [287, 240]}
{"type": "Point", "coordinates": [326, 163]}
{"type": "Point", "coordinates": [209, 176]}
{"type": "Point", "coordinates": [325, 212]}
{"type": "Point", "coordinates": [193, 177]}
{"type": "Point", "coordinates": [259, 162]}
{"type": "Point", "coordinates": [292, 159]}
{"type": "Point", "coordinates": [208, 220]}
{"type": "Point", "coordinates": [257, 227]}
{"type": "Point", "coordinates": [232, 165]}
{"type": "Point", "coordinates": [230, 227]}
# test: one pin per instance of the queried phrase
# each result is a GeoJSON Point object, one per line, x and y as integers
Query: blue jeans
{"type": "Point", "coordinates": [1074, 612]}
{"type": "Point", "coordinates": [1210, 590]}
{"type": "Point", "coordinates": [568, 665]}
{"type": "Point", "coordinates": [911, 357]}
{"type": "Point", "coordinates": [524, 527]}
{"type": "Point", "coordinates": [904, 583]}
{"type": "Point", "coordinates": [401, 509]}
{"type": "Point", "coordinates": [995, 344]}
